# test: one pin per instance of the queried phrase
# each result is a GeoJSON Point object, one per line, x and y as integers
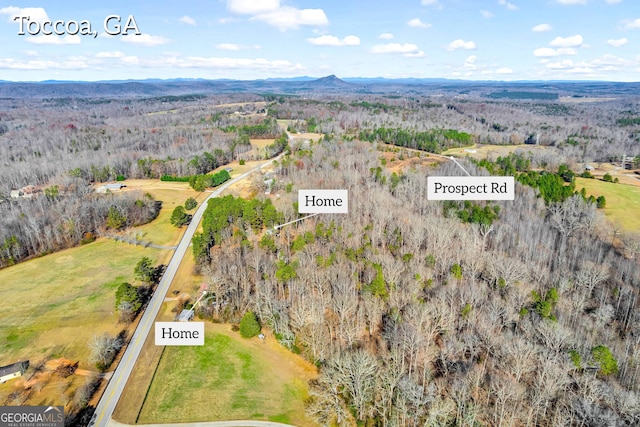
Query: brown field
{"type": "Point", "coordinates": [403, 160]}
{"type": "Point", "coordinates": [258, 148]}
{"type": "Point", "coordinates": [305, 136]}
{"type": "Point", "coordinates": [161, 231]}
{"type": "Point", "coordinates": [260, 144]}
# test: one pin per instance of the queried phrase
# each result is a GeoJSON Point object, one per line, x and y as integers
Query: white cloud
{"type": "Point", "coordinates": [188, 20]}
{"type": "Point", "coordinates": [504, 70]}
{"type": "Point", "coordinates": [234, 46]}
{"type": "Point", "coordinates": [385, 36]}
{"type": "Point", "coordinates": [288, 18]}
{"type": "Point", "coordinates": [470, 62]}
{"type": "Point", "coordinates": [613, 1]}
{"type": "Point", "coordinates": [228, 46]}
{"type": "Point", "coordinates": [113, 54]}
{"type": "Point", "coordinates": [540, 28]}
{"type": "Point", "coordinates": [602, 66]}
{"type": "Point", "coordinates": [55, 40]}
{"type": "Point", "coordinates": [277, 15]}
{"type": "Point", "coordinates": [569, 2]}
{"type": "Point", "coordinates": [328, 40]}
{"type": "Point", "coordinates": [417, 54]}
{"type": "Point", "coordinates": [429, 2]}
{"type": "Point", "coordinates": [544, 52]}
{"type": "Point", "coordinates": [572, 41]}
{"type": "Point", "coordinates": [145, 40]}
{"type": "Point", "coordinates": [547, 52]}
{"type": "Point", "coordinates": [486, 14]}
{"type": "Point", "coordinates": [130, 60]}
{"type": "Point", "coordinates": [12, 64]}
{"type": "Point", "coordinates": [416, 22]}
{"type": "Point", "coordinates": [253, 7]}
{"type": "Point", "coordinates": [461, 44]}
{"type": "Point", "coordinates": [617, 42]}
{"type": "Point", "coordinates": [407, 49]}
{"type": "Point", "coordinates": [36, 14]}
{"type": "Point", "coordinates": [509, 6]}
{"type": "Point", "coordinates": [262, 64]}
{"type": "Point", "coordinates": [31, 53]}
{"type": "Point", "coordinates": [630, 24]}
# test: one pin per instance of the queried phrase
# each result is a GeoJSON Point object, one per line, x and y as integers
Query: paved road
{"type": "Point", "coordinates": [114, 389]}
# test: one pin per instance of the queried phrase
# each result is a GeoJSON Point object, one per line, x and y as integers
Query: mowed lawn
{"type": "Point", "coordinates": [53, 305]}
{"type": "Point", "coordinates": [623, 201]}
{"type": "Point", "coordinates": [229, 378]}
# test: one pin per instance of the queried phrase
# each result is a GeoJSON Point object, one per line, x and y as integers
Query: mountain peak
{"type": "Point", "coordinates": [331, 80]}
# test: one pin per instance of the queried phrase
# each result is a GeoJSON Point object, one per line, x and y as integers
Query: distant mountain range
{"type": "Point", "coordinates": [304, 85]}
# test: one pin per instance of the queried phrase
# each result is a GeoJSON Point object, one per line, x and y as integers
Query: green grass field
{"type": "Point", "coordinates": [228, 378]}
{"type": "Point", "coordinates": [623, 201]}
{"type": "Point", "coordinates": [54, 304]}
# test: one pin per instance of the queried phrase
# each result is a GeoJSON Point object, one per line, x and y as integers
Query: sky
{"type": "Point", "coordinates": [256, 39]}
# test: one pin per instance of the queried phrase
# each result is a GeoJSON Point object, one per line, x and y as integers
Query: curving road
{"type": "Point", "coordinates": [111, 395]}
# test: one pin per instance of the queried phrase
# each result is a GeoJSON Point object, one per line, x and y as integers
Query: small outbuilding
{"type": "Point", "coordinates": [14, 370]}
{"type": "Point", "coordinates": [106, 188]}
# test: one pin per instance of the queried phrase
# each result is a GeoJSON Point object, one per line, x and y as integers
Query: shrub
{"type": "Point", "coordinates": [456, 270]}
{"type": "Point", "coordinates": [115, 219]}
{"type": "Point", "coordinates": [180, 217]}
{"type": "Point", "coordinates": [129, 294]}
{"type": "Point", "coordinates": [249, 326]}
{"type": "Point", "coordinates": [576, 359]}
{"type": "Point", "coordinates": [241, 162]}
{"type": "Point", "coordinates": [144, 270]}
{"type": "Point", "coordinates": [608, 364]}
{"type": "Point", "coordinates": [190, 203]}
{"type": "Point", "coordinates": [607, 177]}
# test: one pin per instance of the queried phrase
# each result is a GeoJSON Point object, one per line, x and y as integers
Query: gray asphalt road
{"type": "Point", "coordinates": [114, 389]}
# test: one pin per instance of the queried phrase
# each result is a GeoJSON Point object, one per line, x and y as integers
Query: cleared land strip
{"type": "Point", "coordinates": [140, 242]}
{"type": "Point", "coordinates": [235, 423]}
{"type": "Point", "coordinates": [114, 389]}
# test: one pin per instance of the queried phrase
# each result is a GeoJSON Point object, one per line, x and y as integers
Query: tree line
{"type": "Point", "coordinates": [74, 215]}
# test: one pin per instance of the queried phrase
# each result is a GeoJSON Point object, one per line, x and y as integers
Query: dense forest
{"type": "Point", "coordinates": [416, 317]}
